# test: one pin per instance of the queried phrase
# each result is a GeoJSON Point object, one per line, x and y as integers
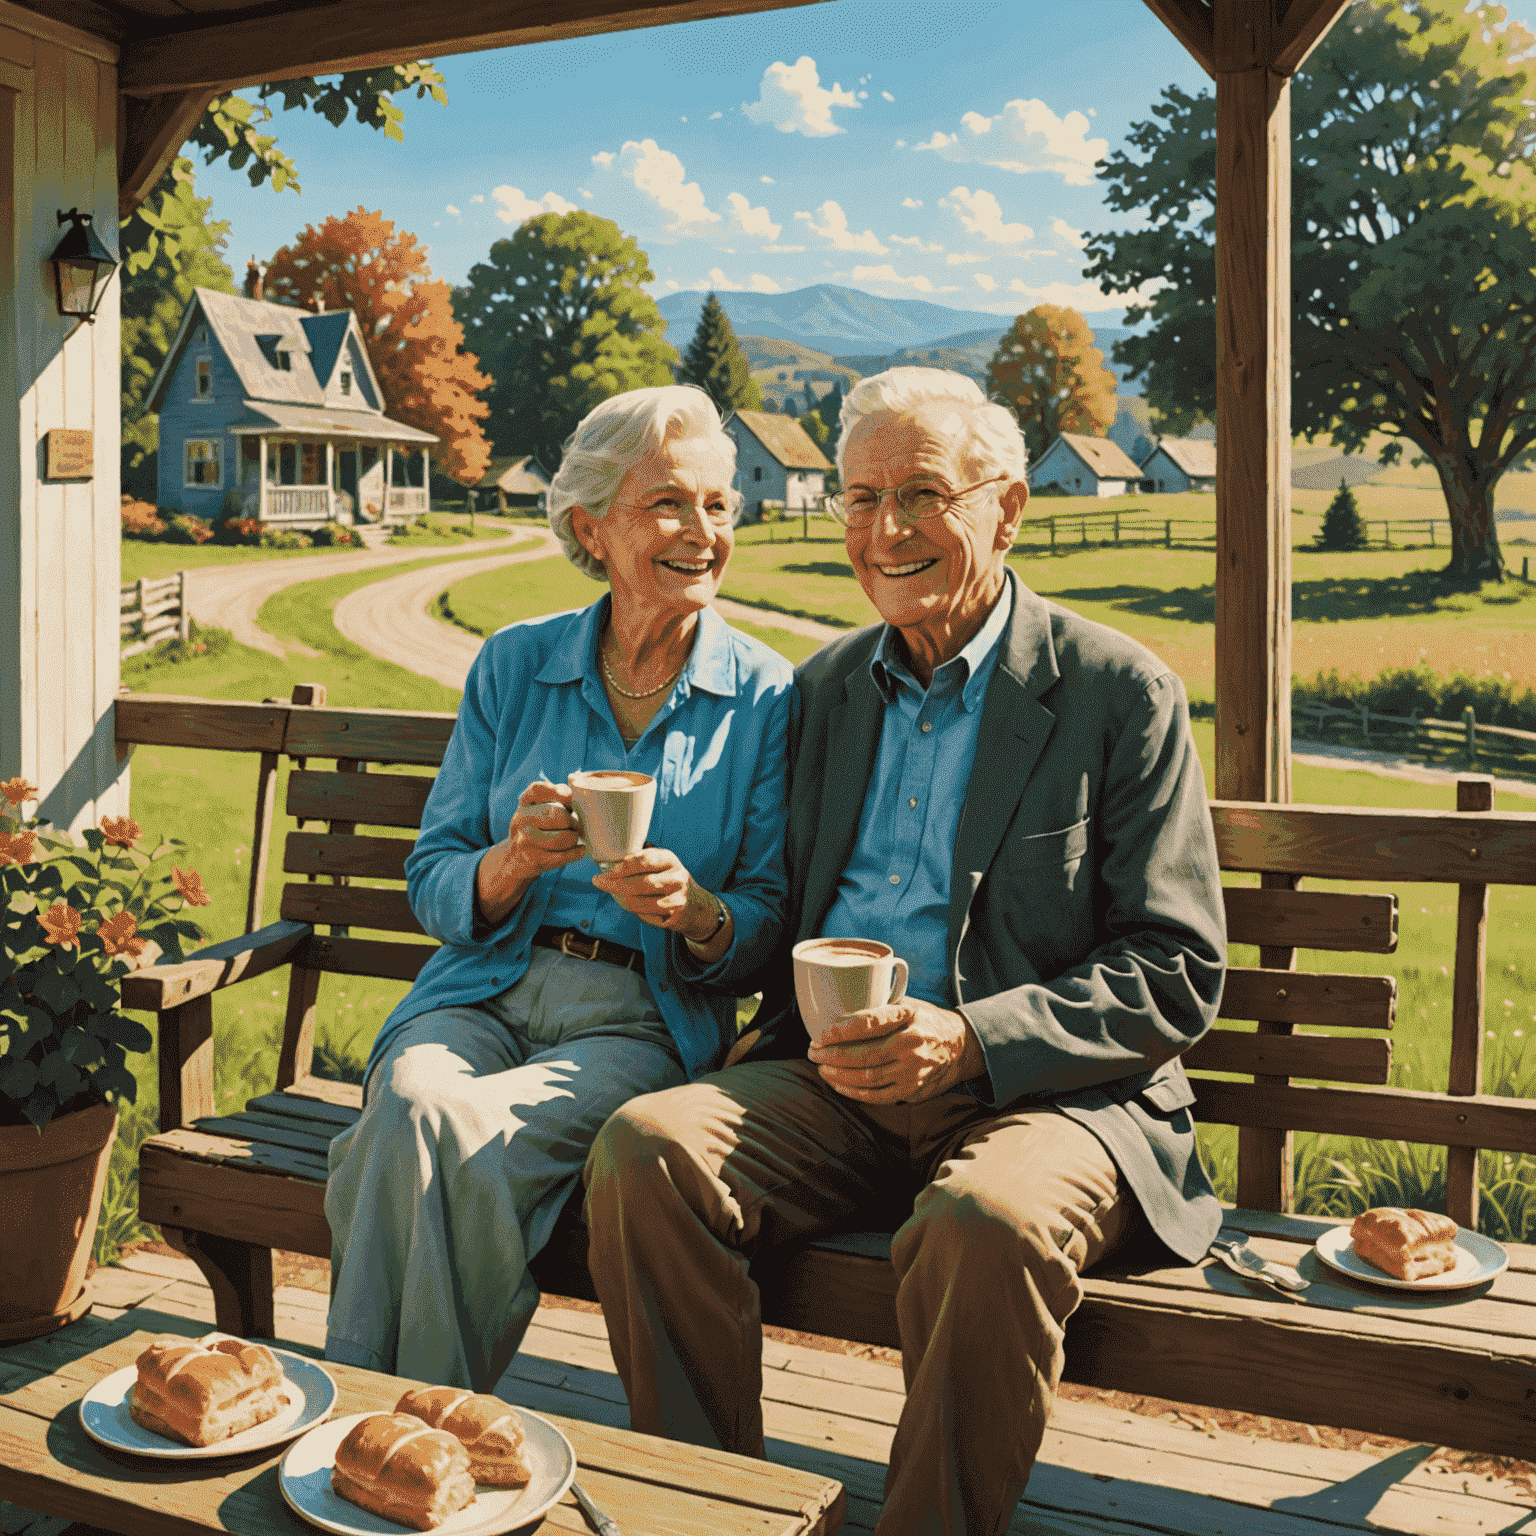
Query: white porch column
{"type": "Point", "coordinates": [389, 478]}
{"type": "Point", "coordinates": [60, 538]}
{"type": "Point", "coordinates": [330, 482]}
{"type": "Point", "coordinates": [426, 476]}
{"type": "Point", "coordinates": [261, 501]}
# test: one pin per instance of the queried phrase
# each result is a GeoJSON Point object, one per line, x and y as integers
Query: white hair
{"type": "Point", "coordinates": [610, 440]}
{"type": "Point", "coordinates": [995, 434]}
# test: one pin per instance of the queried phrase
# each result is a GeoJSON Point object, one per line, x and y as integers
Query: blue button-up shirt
{"type": "Point", "coordinates": [896, 887]}
{"type": "Point", "coordinates": [534, 709]}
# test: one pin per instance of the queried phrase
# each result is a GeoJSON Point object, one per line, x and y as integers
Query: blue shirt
{"type": "Point", "coordinates": [896, 887]}
{"type": "Point", "coordinates": [534, 709]}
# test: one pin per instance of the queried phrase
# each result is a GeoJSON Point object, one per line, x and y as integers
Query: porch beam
{"type": "Point", "coordinates": [1303, 26]}
{"type": "Point", "coordinates": [1193, 23]}
{"type": "Point", "coordinates": [354, 34]}
{"type": "Point", "coordinates": [150, 136]}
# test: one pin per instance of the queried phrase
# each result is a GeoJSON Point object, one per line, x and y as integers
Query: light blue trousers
{"type": "Point", "coordinates": [476, 1125]}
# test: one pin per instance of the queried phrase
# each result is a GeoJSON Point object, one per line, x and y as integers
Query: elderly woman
{"type": "Point", "coordinates": [559, 992]}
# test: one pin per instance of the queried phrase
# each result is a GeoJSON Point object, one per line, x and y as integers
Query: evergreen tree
{"type": "Point", "coordinates": [815, 428]}
{"type": "Point", "coordinates": [830, 409]}
{"type": "Point", "coordinates": [716, 363]}
{"type": "Point", "coordinates": [1343, 527]}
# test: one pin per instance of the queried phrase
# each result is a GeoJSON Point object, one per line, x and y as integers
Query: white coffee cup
{"type": "Point", "coordinates": [612, 811]}
{"type": "Point", "coordinates": [836, 977]}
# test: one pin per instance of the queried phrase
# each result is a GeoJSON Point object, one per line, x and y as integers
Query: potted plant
{"type": "Point", "coordinates": [75, 921]}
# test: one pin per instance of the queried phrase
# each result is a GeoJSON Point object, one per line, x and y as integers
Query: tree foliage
{"type": "Point", "coordinates": [716, 362]}
{"type": "Point", "coordinates": [560, 319]}
{"type": "Point", "coordinates": [170, 246]}
{"type": "Point", "coordinates": [1051, 376]}
{"type": "Point", "coordinates": [1413, 255]}
{"type": "Point", "coordinates": [815, 428]}
{"type": "Point", "coordinates": [359, 262]}
{"type": "Point", "coordinates": [1343, 527]}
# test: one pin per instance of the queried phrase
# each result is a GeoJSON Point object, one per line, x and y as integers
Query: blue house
{"type": "Point", "coordinates": [272, 412]}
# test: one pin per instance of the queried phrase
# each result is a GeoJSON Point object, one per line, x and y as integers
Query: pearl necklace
{"type": "Point", "coordinates": [620, 688]}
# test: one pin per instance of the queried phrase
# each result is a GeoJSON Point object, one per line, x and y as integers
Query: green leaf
{"type": "Point", "coordinates": [115, 1083]}
{"type": "Point", "coordinates": [54, 1072]}
{"type": "Point", "coordinates": [18, 1077]}
{"type": "Point", "coordinates": [93, 839]}
{"type": "Point", "coordinates": [124, 1031]}
{"type": "Point", "coordinates": [57, 993]}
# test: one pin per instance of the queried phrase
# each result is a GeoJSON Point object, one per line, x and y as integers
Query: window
{"type": "Point", "coordinates": [202, 461]}
{"type": "Point", "coordinates": [203, 388]}
{"type": "Point", "coordinates": [757, 472]}
{"type": "Point", "coordinates": [346, 382]}
{"type": "Point", "coordinates": [285, 360]}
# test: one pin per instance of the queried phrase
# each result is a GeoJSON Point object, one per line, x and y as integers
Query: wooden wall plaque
{"type": "Point", "coordinates": [71, 454]}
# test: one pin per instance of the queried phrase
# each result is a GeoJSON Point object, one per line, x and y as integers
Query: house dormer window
{"type": "Point", "coordinates": [346, 382]}
{"type": "Point", "coordinates": [202, 388]}
{"type": "Point", "coordinates": [285, 360]}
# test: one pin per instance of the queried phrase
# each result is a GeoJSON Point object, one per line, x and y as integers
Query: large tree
{"type": "Point", "coordinates": [1413, 258]}
{"type": "Point", "coordinates": [1051, 376]}
{"type": "Point", "coordinates": [559, 317]}
{"type": "Point", "coordinates": [716, 362]}
{"type": "Point", "coordinates": [359, 262]}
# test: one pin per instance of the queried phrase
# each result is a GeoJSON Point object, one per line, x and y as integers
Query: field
{"type": "Point", "coordinates": [206, 798]}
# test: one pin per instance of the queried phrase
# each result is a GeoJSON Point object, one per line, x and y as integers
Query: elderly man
{"type": "Point", "coordinates": [1009, 796]}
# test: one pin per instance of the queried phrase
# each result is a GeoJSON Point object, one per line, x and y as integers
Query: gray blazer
{"type": "Point", "coordinates": [1087, 936]}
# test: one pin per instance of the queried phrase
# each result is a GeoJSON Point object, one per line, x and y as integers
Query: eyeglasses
{"type": "Point", "coordinates": [918, 499]}
{"type": "Point", "coordinates": [673, 509]}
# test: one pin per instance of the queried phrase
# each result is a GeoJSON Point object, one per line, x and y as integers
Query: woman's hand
{"type": "Point", "coordinates": [655, 886]}
{"type": "Point", "coordinates": [541, 836]}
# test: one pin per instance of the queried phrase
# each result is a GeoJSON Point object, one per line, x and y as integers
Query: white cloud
{"type": "Point", "coordinates": [792, 99]}
{"type": "Point", "coordinates": [783, 250]}
{"type": "Point", "coordinates": [963, 259]}
{"type": "Point", "coordinates": [982, 215]}
{"type": "Point", "coordinates": [887, 96]}
{"type": "Point", "coordinates": [747, 220]}
{"type": "Point", "coordinates": [886, 273]}
{"type": "Point", "coordinates": [451, 209]}
{"type": "Point", "coordinates": [718, 279]}
{"type": "Point", "coordinates": [714, 116]}
{"type": "Point", "coordinates": [603, 158]}
{"type": "Point", "coordinates": [1025, 136]}
{"type": "Point", "coordinates": [479, 197]}
{"type": "Point", "coordinates": [919, 245]}
{"type": "Point", "coordinates": [834, 229]}
{"type": "Point", "coordinates": [983, 281]}
{"type": "Point", "coordinates": [1081, 296]}
{"type": "Point", "coordinates": [911, 202]}
{"type": "Point", "coordinates": [768, 181]}
{"type": "Point", "coordinates": [682, 119]}
{"type": "Point", "coordinates": [585, 193]}
{"type": "Point", "coordinates": [658, 173]}
{"type": "Point", "coordinates": [1069, 236]}
{"type": "Point", "coordinates": [515, 208]}
{"type": "Point", "coordinates": [761, 284]}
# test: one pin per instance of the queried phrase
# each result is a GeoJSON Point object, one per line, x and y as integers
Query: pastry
{"type": "Point", "coordinates": [393, 1465]}
{"type": "Point", "coordinates": [204, 1390]}
{"type": "Point", "coordinates": [1408, 1245]}
{"type": "Point", "coordinates": [485, 1426]}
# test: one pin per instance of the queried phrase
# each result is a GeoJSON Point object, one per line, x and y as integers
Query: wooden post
{"type": "Point", "coordinates": [183, 616]}
{"type": "Point", "coordinates": [1461, 1180]}
{"type": "Point", "coordinates": [1469, 726]}
{"type": "Point", "coordinates": [1253, 384]}
{"type": "Point", "coordinates": [261, 492]}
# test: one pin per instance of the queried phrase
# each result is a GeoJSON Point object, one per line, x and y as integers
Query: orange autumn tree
{"type": "Point", "coordinates": [359, 262]}
{"type": "Point", "coordinates": [1051, 376]}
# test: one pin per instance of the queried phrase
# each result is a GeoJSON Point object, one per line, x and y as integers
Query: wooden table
{"type": "Point", "coordinates": [647, 1485]}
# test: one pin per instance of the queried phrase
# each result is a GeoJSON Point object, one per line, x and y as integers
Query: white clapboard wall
{"type": "Point", "coordinates": [59, 540]}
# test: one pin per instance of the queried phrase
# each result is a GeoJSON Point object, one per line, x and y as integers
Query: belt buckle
{"type": "Point", "coordinates": [576, 954]}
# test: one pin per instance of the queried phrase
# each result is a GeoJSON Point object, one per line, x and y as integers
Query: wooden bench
{"type": "Point", "coordinates": [1461, 1371]}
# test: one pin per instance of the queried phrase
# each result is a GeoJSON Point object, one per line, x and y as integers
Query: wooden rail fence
{"type": "Point", "coordinates": [1143, 526]}
{"type": "Point", "coordinates": [1491, 748]}
{"type": "Point", "coordinates": [152, 611]}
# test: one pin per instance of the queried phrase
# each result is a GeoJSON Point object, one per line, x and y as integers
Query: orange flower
{"type": "Point", "coordinates": [16, 790]}
{"type": "Point", "coordinates": [121, 831]}
{"type": "Point", "coordinates": [17, 847]}
{"type": "Point", "coordinates": [61, 924]}
{"type": "Point", "coordinates": [117, 935]}
{"type": "Point", "coordinates": [190, 884]}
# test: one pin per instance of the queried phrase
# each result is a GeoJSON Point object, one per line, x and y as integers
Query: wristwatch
{"type": "Point", "coordinates": [721, 913]}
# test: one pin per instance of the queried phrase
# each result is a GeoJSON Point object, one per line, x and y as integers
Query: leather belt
{"type": "Point", "coordinates": [582, 947]}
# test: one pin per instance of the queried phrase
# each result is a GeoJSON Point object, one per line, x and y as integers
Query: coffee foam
{"type": "Point", "coordinates": [845, 952]}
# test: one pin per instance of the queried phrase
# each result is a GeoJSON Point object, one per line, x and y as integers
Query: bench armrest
{"type": "Point", "coordinates": [158, 987]}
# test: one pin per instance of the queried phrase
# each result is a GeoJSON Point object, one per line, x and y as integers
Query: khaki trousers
{"type": "Point", "coordinates": [1006, 1211]}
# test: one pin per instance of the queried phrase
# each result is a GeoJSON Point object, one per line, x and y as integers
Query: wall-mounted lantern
{"type": "Point", "coordinates": [83, 265]}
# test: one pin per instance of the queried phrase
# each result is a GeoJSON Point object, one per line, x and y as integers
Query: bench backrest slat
{"type": "Point", "coordinates": [386, 958]}
{"type": "Point", "coordinates": [349, 906]}
{"type": "Point", "coordinates": [1361, 924]}
{"type": "Point", "coordinates": [368, 858]}
{"type": "Point", "coordinates": [374, 736]}
{"type": "Point", "coordinates": [1328, 999]}
{"type": "Point", "coordinates": [374, 799]}
{"type": "Point", "coordinates": [1367, 1059]}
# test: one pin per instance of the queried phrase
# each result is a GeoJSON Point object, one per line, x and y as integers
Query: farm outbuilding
{"type": "Point", "coordinates": [516, 483]}
{"type": "Point", "coordinates": [776, 461]}
{"type": "Point", "coordinates": [1085, 466]}
{"type": "Point", "coordinates": [1181, 464]}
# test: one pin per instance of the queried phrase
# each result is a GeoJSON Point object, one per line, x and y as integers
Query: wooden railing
{"type": "Point", "coordinates": [290, 503]}
{"type": "Point", "coordinates": [407, 499]}
{"type": "Point", "coordinates": [152, 611]}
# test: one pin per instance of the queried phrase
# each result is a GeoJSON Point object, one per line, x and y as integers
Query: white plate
{"type": "Point", "coordinates": [105, 1418]}
{"type": "Point", "coordinates": [305, 1480]}
{"type": "Point", "coordinates": [1479, 1259]}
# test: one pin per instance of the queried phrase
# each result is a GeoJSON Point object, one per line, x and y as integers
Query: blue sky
{"type": "Point", "coordinates": [937, 151]}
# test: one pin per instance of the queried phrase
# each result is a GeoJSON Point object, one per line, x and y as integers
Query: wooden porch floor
{"type": "Point", "coordinates": [1102, 1472]}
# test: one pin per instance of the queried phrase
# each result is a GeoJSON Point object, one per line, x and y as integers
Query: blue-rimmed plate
{"type": "Point", "coordinates": [1478, 1258]}
{"type": "Point", "coordinates": [105, 1418]}
{"type": "Point", "coordinates": [305, 1480]}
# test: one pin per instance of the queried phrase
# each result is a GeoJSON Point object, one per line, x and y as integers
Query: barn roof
{"type": "Point", "coordinates": [516, 477]}
{"type": "Point", "coordinates": [784, 438]}
{"type": "Point", "coordinates": [1194, 455]}
{"type": "Point", "coordinates": [1107, 459]}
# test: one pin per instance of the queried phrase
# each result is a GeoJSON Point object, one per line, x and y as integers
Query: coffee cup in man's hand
{"type": "Point", "coordinates": [836, 977]}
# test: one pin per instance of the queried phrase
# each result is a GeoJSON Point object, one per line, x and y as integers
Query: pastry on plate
{"type": "Point", "coordinates": [1408, 1245]}
{"type": "Point", "coordinates": [201, 1391]}
{"type": "Point", "coordinates": [393, 1465]}
{"type": "Point", "coordinates": [485, 1426]}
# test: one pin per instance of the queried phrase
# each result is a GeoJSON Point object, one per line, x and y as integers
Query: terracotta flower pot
{"type": "Point", "coordinates": [50, 1197]}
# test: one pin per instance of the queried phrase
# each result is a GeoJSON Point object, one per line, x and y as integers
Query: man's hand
{"type": "Point", "coordinates": [902, 1053]}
